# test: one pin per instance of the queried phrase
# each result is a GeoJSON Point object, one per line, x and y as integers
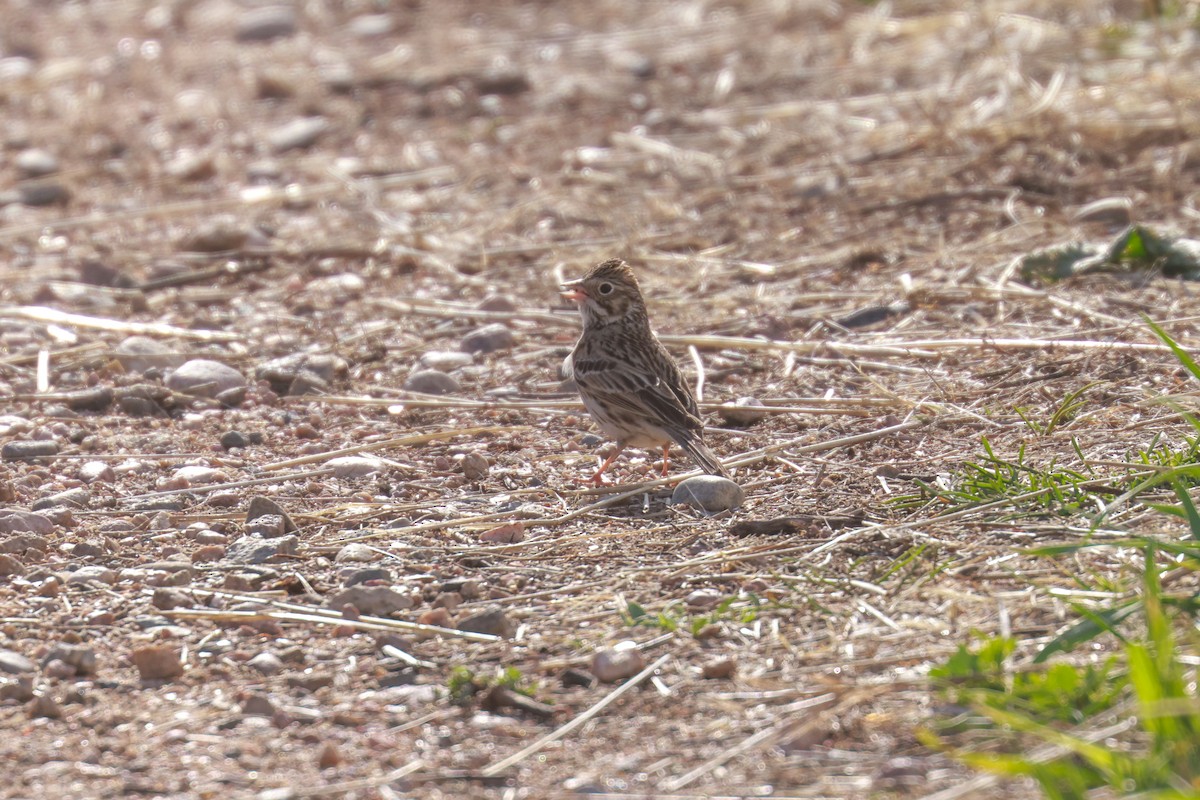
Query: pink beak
{"type": "Point", "coordinates": [571, 291]}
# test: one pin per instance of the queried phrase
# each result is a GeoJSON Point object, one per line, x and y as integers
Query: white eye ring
{"type": "Point", "coordinates": [605, 288]}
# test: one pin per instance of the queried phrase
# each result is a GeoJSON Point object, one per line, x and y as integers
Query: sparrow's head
{"type": "Point", "coordinates": [607, 293]}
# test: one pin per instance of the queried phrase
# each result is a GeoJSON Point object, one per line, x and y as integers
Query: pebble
{"type": "Point", "coordinates": [281, 373]}
{"type": "Point", "coordinates": [355, 466]}
{"type": "Point", "coordinates": [233, 440]}
{"type": "Point", "coordinates": [475, 466]}
{"type": "Point", "coordinates": [510, 533]}
{"type": "Point", "coordinates": [197, 474]}
{"type": "Point", "coordinates": [81, 657]}
{"type": "Point", "coordinates": [617, 663]}
{"type": "Point", "coordinates": [266, 23]}
{"type": "Point", "coordinates": [15, 663]}
{"type": "Point", "coordinates": [140, 353]}
{"type": "Point", "coordinates": [253, 550]}
{"type": "Point", "coordinates": [87, 550]}
{"type": "Point", "coordinates": [737, 413]}
{"type": "Point", "coordinates": [448, 600]}
{"type": "Point", "coordinates": [375, 601]}
{"type": "Point", "coordinates": [329, 757]}
{"type": "Point", "coordinates": [469, 588]}
{"type": "Point", "coordinates": [28, 539]}
{"type": "Point", "coordinates": [492, 621]}
{"type": "Point", "coordinates": [218, 235]}
{"type": "Point", "coordinates": [166, 599]}
{"type": "Point", "coordinates": [498, 303]}
{"type": "Point", "coordinates": [9, 565]}
{"type": "Point", "coordinates": [501, 80]}
{"type": "Point", "coordinates": [268, 526]}
{"type": "Point", "coordinates": [488, 339]}
{"type": "Point", "coordinates": [266, 663]}
{"type": "Point", "coordinates": [157, 662]}
{"type": "Point", "coordinates": [261, 505]}
{"type": "Point", "coordinates": [26, 449]}
{"type": "Point", "coordinates": [438, 617]}
{"type": "Point", "coordinates": [447, 360]}
{"type": "Point", "coordinates": [299, 133]}
{"type": "Point", "coordinates": [356, 553]}
{"type": "Point", "coordinates": [43, 705]}
{"type": "Point", "coordinates": [191, 165]}
{"type": "Point", "coordinates": [204, 378]}
{"type": "Point", "coordinates": [1115, 211]}
{"type": "Point", "coordinates": [93, 573]}
{"type": "Point", "coordinates": [578, 677]}
{"type": "Point", "coordinates": [702, 599]}
{"type": "Point", "coordinates": [35, 163]}
{"type": "Point", "coordinates": [58, 670]}
{"type": "Point", "coordinates": [74, 498]}
{"type": "Point", "coordinates": [368, 26]}
{"type": "Point", "coordinates": [97, 398]}
{"type": "Point", "coordinates": [20, 690]}
{"type": "Point", "coordinates": [720, 669]}
{"type": "Point", "coordinates": [432, 381]}
{"type": "Point", "coordinates": [138, 401]}
{"type": "Point", "coordinates": [710, 492]}
{"type": "Point", "coordinates": [97, 472]}
{"type": "Point", "coordinates": [44, 193]}
{"type": "Point", "coordinates": [357, 576]}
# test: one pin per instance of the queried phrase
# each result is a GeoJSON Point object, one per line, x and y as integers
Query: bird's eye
{"type": "Point", "coordinates": [605, 288]}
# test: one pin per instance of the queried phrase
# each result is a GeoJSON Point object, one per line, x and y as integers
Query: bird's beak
{"type": "Point", "coordinates": [571, 290]}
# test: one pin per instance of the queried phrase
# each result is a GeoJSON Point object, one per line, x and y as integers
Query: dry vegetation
{"type": "Point", "coordinates": [825, 201]}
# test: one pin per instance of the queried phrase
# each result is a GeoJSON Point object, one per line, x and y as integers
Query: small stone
{"type": "Point", "coordinates": [510, 533]}
{"type": "Point", "coordinates": [356, 553]}
{"type": "Point", "coordinates": [191, 165]}
{"type": "Point", "coordinates": [492, 621]}
{"type": "Point", "coordinates": [32, 524]}
{"type": "Point", "coordinates": [268, 526]}
{"type": "Point", "coordinates": [266, 663]}
{"type": "Point", "coordinates": [502, 80]}
{"type": "Point", "coordinates": [24, 450]}
{"type": "Point", "coordinates": [709, 492]}
{"type": "Point", "coordinates": [448, 600]}
{"type": "Point", "coordinates": [73, 498]}
{"type": "Point", "coordinates": [282, 373]}
{"type": "Point", "coordinates": [35, 163]}
{"type": "Point", "coordinates": [157, 662]}
{"type": "Point", "coordinates": [260, 506]}
{"type": "Point", "coordinates": [253, 550]}
{"type": "Point", "coordinates": [140, 353]}
{"type": "Point", "coordinates": [345, 467]}
{"type": "Point", "coordinates": [469, 588]}
{"type": "Point", "coordinates": [475, 466]}
{"type": "Point", "coordinates": [9, 565]}
{"type": "Point", "coordinates": [488, 339]}
{"type": "Point", "coordinates": [233, 440]}
{"type": "Point", "coordinates": [43, 705]}
{"type": "Point", "coordinates": [44, 193]}
{"type": "Point", "coordinates": [259, 705]}
{"type": "Point", "coordinates": [617, 663]}
{"type": "Point", "coordinates": [578, 677]}
{"type": "Point", "coordinates": [431, 381]}
{"type": "Point", "coordinates": [15, 663]}
{"type": "Point", "coordinates": [93, 573]}
{"type": "Point", "coordinates": [96, 398]}
{"type": "Point", "coordinates": [355, 577]}
{"type": "Point", "coordinates": [498, 303]}
{"type": "Point", "coordinates": [20, 690]}
{"type": "Point", "coordinates": [329, 757]}
{"type": "Point", "coordinates": [81, 658]}
{"type": "Point", "coordinates": [374, 601]}
{"type": "Point", "coordinates": [438, 617]}
{"type": "Point", "coordinates": [58, 670]}
{"type": "Point", "coordinates": [204, 378]}
{"type": "Point", "coordinates": [97, 472]}
{"type": "Point", "coordinates": [221, 234]}
{"type": "Point", "coordinates": [166, 599]}
{"type": "Point", "coordinates": [740, 412]}
{"type": "Point", "coordinates": [88, 550]}
{"type": "Point", "coordinates": [369, 26]}
{"type": "Point", "coordinates": [446, 360]}
{"type": "Point", "coordinates": [1114, 211]}
{"type": "Point", "coordinates": [702, 599]}
{"type": "Point", "coordinates": [721, 669]}
{"type": "Point", "coordinates": [297, 134]}
{"type": "Point", "coordinates": [266, 23]}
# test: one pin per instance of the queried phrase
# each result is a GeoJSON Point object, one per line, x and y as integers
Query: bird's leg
{"type": "Point", "coordinates": [666, 455]}
{"type": "Point", "coordinates": [598, 478]}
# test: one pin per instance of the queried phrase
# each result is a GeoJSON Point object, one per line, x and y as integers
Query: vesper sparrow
{"type": "Point", "coordinates": [628, 381]}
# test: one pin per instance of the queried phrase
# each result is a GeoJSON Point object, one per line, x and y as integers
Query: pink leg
{"type": "Point", "coordinates": [666, 455]}
{"type": "Point", "coordinates": [598, 478]}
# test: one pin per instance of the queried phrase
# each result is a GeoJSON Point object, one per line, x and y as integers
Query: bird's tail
{"type": "Point", "coordinates": [705, 458]}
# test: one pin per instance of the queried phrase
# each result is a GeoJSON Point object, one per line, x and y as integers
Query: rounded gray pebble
{"type": "Point", "coordinates": [204, 378]}
{"type": "Point", "coordinates": [266, 23]}
{"type": "Point", "coordinates": [488, 339]}
{"type": "Point", "coordinates": [709, 492]}
{"type": "Point", "coordinates": [35, 162]}
{"type": "Point", "coordinates": [431, 381]}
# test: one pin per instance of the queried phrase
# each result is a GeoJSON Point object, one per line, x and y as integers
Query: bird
{"type": "Point", "coordinates": [629, 383]}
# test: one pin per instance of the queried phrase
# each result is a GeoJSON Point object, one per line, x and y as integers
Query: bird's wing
{"type": "Point", "coordinates": [642, 389]}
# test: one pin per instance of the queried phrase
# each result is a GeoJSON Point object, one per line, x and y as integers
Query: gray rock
{"type": "Point", "coordinates": [268, 526]}
{"type": "Point", "coordinates": [218, 235]}
{"type": "Point", "coordinates": [355, 577]}
{"type": "Point", "coordinates": [81, 657]}
{"type": "Point", "coordinates": [475, 466]}
{"type": "Point", "coordinates": [93, 573]}
{"type": "Point", "coordinates": [498, 303]}
{"type": "Point", "coordinates": [15, 663]}
{"type": "Point", "coordinates": [43, 705]}
{"type": "Point", "coordinates": [431, 381]}
{"type": "Point", "coordinates": [1115, 211]}
{"type": "Point", "coordinates": [157, 662]}
{"type": "Point", "coordinates": [283, 372]}
{"type": "Point", "coordinates": [266, 23]}
{"type": "Point", "coordinates": [491, 621]}
{"type": "Point", "coordinates": [234, 440]}
{"type": "Point", "coordinates": [96, 398]}
{"type": "Point", "coordinates": [297, 134]}
{"type": "Point", "coordinates": [261, 505]}
{"type": "Point", "coordinates": [355, 466]}
{"type": "Point", "coordinates": [738, 413]}
{"type": "Point", "coordinates": [43, 193]}
{"type": "Point", "coordinates": [35, 162]}
{"type": "Point", "coordinates": [204, 378]}
{"type": "Point", "coordinates": [253, 550]}
{"type": "Point", "coordinates": [356, 553]}
{"type": "Point", "coordinates": [26, 449]}
{"type": "Point", "coordinates": [10, 565]}
{"type": "Point", "coordinates": [702, 599]}
{"type": "Point", "coordinates": [488, 339]}
{"type": "Point", "coordinates": [709, 492]}
{"type": "Point", "coordinates": [375, 601]}
{"type": "Point", "coordinates": [25, 541]}
{"type": "Point", "coordinates": [617, 663]}
{"type": "Point", "coordinates": [447, 360]}
{"type": "Point", "coordinates": [266, 663]}
{"type": "Point", "coordinates": [259, 705]}
{"type": "Point", "coordinates": [191, 165]}
{"type": "Point", "coordinates": [140, 353]}
{"type": "Point", "coordinates": [72, 498]}
{"type": "Point", "coordinates": [200, 474]}
{"type": "Point", "coordinates": [369, 26]}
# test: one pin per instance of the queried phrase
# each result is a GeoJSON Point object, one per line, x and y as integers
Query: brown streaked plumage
{"type": "Point", "coordinates": [628, 381]}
